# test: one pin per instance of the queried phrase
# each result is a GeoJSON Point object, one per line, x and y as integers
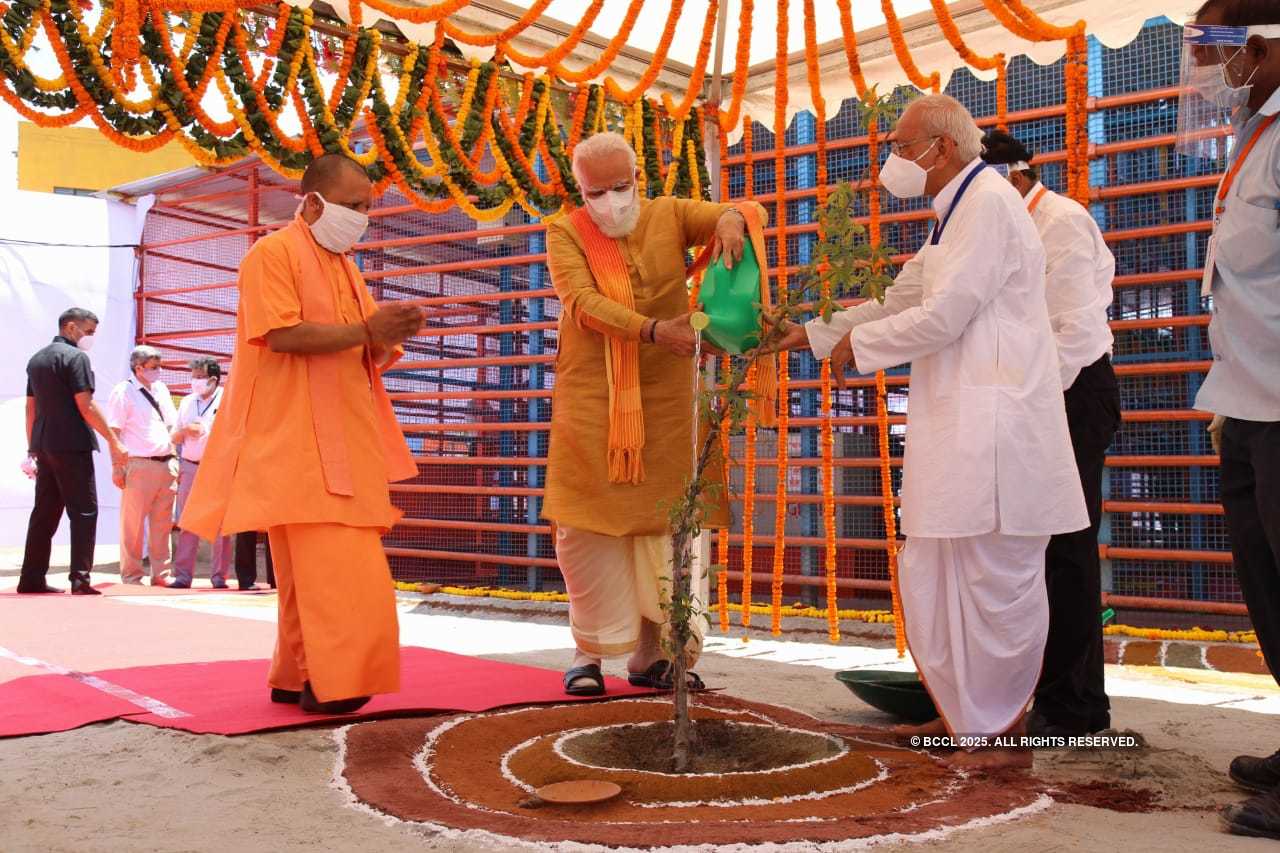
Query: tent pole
{"type": "Point", "coordinates": [711, 129]}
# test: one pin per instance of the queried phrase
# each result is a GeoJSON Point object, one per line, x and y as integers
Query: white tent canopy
{"type": "Point", "coordinates": [1114, 24]}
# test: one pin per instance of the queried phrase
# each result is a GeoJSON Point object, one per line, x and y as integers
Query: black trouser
{"type": "Point", "coordinates": [1251, 498]}
{"type": "Point", "coordinates": [247, 561]}
{"type": "Point", "coordinates": [1071, 691]}
{"type": "Point", "coordinates": [63, 481]}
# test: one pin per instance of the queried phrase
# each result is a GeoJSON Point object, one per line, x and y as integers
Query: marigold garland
{"type": "Point", "coordinates": [680, 111]}
{"type": "Point", "coordinates": [890, 520]}
{"type": "Point", "coordinates": [728, 120]}
{"type": "Point", "coordinates": [748, 508]}
{"type": "Point", "coordinates": [784, 398]}
{"type": "Point", "coordinates": [933, 82]}
{"type": "Point", "coordinates": [826, 438]}
{"type": "Point", "coordinates": [637, 91]}
{"type": "Point", "coordinates": [722, 536]}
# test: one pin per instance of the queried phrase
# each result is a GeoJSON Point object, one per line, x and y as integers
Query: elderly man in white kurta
{"type": "Point", "coordinates": [989, 473]}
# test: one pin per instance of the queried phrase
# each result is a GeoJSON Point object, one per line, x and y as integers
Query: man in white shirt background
{"type": "Point", "coordinates": [989, 473]}
{"type": "Point", "coordinates": [195, 420]}
{"type": "Point", "coordinates": [1071, 698]}
{"type": "Point", "coordinates": [141, 414]}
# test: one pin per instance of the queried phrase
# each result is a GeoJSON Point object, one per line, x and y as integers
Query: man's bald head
{"type": "Point", "coordinates": [338, 180]}
{"type": "Point", "coordinates": [328, 169]}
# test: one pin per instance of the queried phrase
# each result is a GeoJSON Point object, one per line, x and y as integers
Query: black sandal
{"type": "Point", "coordinates": [658, 677]}
{"type": "Point", "coordinates": [591, 671]}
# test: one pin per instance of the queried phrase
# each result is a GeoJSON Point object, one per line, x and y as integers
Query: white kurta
{"type": "Point", "coordinates": [987, 446]}
{"type": "Point", "coordinates": [1079, 269]}
{"type": "Point", "coordinates": [989, 472]}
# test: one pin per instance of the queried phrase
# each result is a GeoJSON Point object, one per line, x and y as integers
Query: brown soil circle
{"type": "Point", "coordinates": [720, 746]}
{"type": "Point", "coordinates": [473, 777]}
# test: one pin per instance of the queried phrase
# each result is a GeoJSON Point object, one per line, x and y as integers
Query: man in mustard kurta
{"type": "Point", "coordinates": [622, 424]}
{"type": "Point", "coordinates": [307, 442]}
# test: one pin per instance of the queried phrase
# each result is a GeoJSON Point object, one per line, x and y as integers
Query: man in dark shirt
{"type": "Point", "coordinates": [60, 412]}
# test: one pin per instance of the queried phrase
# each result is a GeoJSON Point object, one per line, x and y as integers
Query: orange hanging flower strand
{"type": "Point", "coordinates": [933, 82]}
{"type": "Point", "coordinates": [826, 438]}
{"type": "Point", "coordinates": [850, 36]}
{"type": "Point", "coordinates": [742, 61]}
{"type": "Point", "coordinates": [784, 408]}
{"type": "Point", "coordinates": [890, 520]}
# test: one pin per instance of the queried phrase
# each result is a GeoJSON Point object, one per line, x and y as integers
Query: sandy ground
{"type": "Point", "coordinates": [121, 786]}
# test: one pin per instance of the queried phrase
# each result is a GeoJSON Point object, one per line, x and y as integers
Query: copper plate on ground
{"type": "Point", "coordinates": [578, 792]}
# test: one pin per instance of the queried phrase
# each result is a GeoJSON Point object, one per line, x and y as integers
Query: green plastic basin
{"type": "Point", "coordinates": [898, 693]}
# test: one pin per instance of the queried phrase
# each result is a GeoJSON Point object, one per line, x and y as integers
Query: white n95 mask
{"type": "Point", "coordinates": [338, 228]}
{"type": "Point", "coordinates": [613, 208]}
{"type": "Point", "coordinates": [905, 178]}
{"type": "Point", "coordinates": [85, 343]}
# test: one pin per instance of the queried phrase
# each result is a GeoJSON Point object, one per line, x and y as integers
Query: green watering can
{"type": "Point", "coordinates": [729, 298]}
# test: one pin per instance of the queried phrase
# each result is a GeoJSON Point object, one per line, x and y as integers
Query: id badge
{"type": "Point", "coordinates": [1210, 255]}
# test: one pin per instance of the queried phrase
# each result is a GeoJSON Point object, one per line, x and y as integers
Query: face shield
{"type": "Point", "coordinates": [1216, 80]}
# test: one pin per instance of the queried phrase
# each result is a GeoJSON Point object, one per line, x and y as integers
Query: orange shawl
{"type": "Point", "coordinates": [318, 306]}
{"type": "Point", "coordinates": [621, 358]}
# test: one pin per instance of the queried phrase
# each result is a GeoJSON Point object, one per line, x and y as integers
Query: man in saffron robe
{"type": "Point", "coordinates": [307, 442]}
{"type": "Point", "coordinates": [622, 423]}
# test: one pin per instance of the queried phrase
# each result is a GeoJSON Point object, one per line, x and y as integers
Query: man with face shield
{"type": "Point", "coordinates": [621, 427]}
{"type": "Point", "coordinates": [1232, 61]}
{"type": "Point", "coordinates": [1071, 698]}
{"type": "Point", "coordinates": [989, 474]}
{"type": "Point", "coordinates": [196, 415]}
{"type": "Point", "coordinates": [306, 442]}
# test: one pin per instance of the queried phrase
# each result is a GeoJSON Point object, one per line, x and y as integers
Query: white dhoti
{"type": "Point", "coordinates": [976, 614]}
{"type": "Point", "coordinates": [616, 583]}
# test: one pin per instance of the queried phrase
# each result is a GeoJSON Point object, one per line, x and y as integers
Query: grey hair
{"type": "Point", "coordinates": [600, 145]}
{"type": "Point", "coordinates": [141, 355]}
{"type": "Point", "coordinates": [943, 115]}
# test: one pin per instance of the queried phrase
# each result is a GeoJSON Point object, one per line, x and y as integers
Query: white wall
{"type": "Point", "coordinates": [37, 283]}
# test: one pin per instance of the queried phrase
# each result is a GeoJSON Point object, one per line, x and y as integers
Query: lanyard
{"type": "Point", "coordinates": [213, 401]}
{"type": "Point", "coordinates": [1031, 208]}
{"type": "Point", "coordinates": [1230, 178]}
{"type": "Point", "coordinates": [937, 231]}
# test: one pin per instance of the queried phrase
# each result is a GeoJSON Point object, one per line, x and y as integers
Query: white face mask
{"type": "Point", "coordinates": [149, 374]}
{"type": "Point", "coordinates": [1210, 81]}
{"type": "Point", "coordinates": [338, 228]}
{"type": "Point", "coordinates": [85, 343]}
{"type": "Point", "coordinates": [615, 211]}
{"type": "Point", "coordinates": [905, 178]}
{"type": "Point", "coordinates": [202, 387]}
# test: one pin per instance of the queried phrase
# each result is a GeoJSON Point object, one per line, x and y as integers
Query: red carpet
{"type": "Point", "coordinates": [38, 704]}
{"type": "Point", "coordinates": [231, 697]}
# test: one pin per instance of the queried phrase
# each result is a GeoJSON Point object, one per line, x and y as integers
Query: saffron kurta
{"type": "Point", "coordinates": [578, 491]}
{"type": "Point", "coordinates": [262, 467]}
{"type": "Point", "coordinates": [319, 486]}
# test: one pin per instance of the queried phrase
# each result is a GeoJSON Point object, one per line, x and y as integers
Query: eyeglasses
{"type": "Point", "coordinates": [898, 147]}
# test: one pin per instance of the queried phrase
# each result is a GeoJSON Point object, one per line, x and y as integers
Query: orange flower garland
{"type": "Point", "coordinates": [850, 37]}
{"type": "Point", "coordinates": [679, 112]}
{"type": "Point", "coordinates": [490, 39]}
{"type": "Point", "coordinates": [890, 521]}
{"type": "Point", "coordinates": [994, 62]}
{"type": "Point", "coordinates": [722, 536]}
{"type": "Point", "coordinates": [580, 99]}
{"type": "Point", "coordinates": [784, 400]}
{"type": "Point", "coordinates": [749, 509]}
{"type": "Point", "coordinates": [933, 81]}
{"type": "Point", "coordinates": [637, 91]}
{"type": "Point", "coordinates": [418, 14]}
{"type": "Point", "coordinates": [551, 59]}
{"type": "Point", "coordinates": [742, 60]}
